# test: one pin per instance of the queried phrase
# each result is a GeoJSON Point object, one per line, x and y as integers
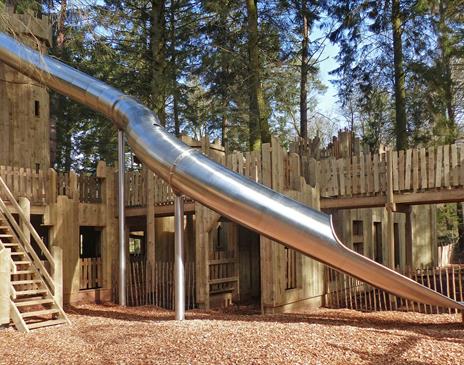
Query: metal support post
{"type": "Point", "coordinates": [121, 221]}
{"type": "Point", "coordinates": [179, 268]}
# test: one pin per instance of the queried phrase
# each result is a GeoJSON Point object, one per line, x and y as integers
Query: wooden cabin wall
{"type": "Point", "coordinates": [424, 247]}
{"type": "Point", "coordinates": [424, 233]}
{"type": "Point", "coordinates": [309, 289]}
{"type": "Point", "coordinates": [65, 217]}
{"type": "Point", "coordinates": [164, 238]}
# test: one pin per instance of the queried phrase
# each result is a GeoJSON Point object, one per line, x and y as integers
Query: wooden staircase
{"type": "Point", "coordinates": [32, 303]}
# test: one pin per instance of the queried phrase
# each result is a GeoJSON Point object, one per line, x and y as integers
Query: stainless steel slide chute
{"type": "Point", "coordinates": [193, 174]}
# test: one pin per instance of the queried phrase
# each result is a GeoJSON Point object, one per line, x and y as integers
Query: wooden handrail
{"type": "Point", "coordinates": [26, 221]}
{"type": "Point", "coordinates": [29, 249]}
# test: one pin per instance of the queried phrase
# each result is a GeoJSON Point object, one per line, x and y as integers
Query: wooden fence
{"type": "Point", "coordinates": [136, 190]}
{"type": "Point", "coordinates": [90, 189]}
{"type": "Point", "coordinates": [37, 185]}
{"type": "Point", "coordinates": [149, 285]}
{"type": "Point", "coordinates": [440, 167]}
{"type": "Point", "coordinates": [27, 183]}
{"type": "Point", "coordinates": [91, 273]}
{"type": "Point", "coordinates": [343, 291]}
{"type": "Point", "coordinates": [85, 188]}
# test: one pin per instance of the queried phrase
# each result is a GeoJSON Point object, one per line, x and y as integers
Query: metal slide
{"type": "Point", "coordinates": [193, 174]}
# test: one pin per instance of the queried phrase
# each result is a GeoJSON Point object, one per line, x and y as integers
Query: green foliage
{"type": "Point", "coordinates": [189, 61]}
{"type": "Point", "coordinates": [447, 224]}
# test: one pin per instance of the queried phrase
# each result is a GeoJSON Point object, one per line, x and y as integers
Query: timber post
{"type": "Point", "coordinates": [57, 253]}
{"type": "Point", "coordinates": [391, 207]}
{"type": "Point", "coordinates": [5, 277]}
{"type": "Point", "coordinates": [25, 206]}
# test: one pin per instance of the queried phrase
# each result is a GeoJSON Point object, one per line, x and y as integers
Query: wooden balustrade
{"type": "Point", "coordinates": [37, 187]}
{"type": "Point", "coordinates": [91, 274]}
{"type": "Point", "coordinates": [154, 285]}
{"type": "Point", "coordinates": [343, 291]}
{"type": "Point", "coordinates": [413, 170]}
{"type": "Point", "coordinates": [90, 189]}
{"type": "Point", "coordinates": [31, 184]}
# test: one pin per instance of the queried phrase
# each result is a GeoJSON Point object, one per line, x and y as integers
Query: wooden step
{"type": "Point", "coordinates": [34, 297]}
{"type": "Point", "coordinates": [22, 262]}
{"type": "Point", "coordinates": [42, 312]}
{"type": "Point", "coordinates": [31, 292]}
{"type": "Point", "coordinates": [23, 272]}
{"type": "Point", "coordinates": [53, 322]}
{"type": "Point", "coordinates": [11, 244]}
{"type": "Point", "coordinates": [27, 303]}
{"type": "Point", "coordinates": [18, 254]}
{"type": "Point", "coordinates": [22, 282]}
{"type": "Point", "coordinates": [6, 236]}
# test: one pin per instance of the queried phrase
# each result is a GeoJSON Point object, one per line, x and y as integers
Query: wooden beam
{"type": "Point", "coordinates": [160, 210]}
{"type": "Point", "coordinates": [353, 202]}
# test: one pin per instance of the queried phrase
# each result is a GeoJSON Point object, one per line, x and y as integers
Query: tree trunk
{"type": "Point", "coordinates": [60, 37]}
{"type": "Point", "coordinates": [400, 91]}
{"type": "Point", "coordinates": [443, 40]}
{"type": "Point", "coordinates": [172, 48]}
{"type": "Point", "coordinates": [158, 82]}
{"type": "Point", "coordinates": [258, 120]}
{"type": "Point", "coordinates": [304, 73]}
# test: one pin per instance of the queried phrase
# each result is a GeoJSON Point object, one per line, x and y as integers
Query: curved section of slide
{"type": "Point", "coordinates": [193, 174]}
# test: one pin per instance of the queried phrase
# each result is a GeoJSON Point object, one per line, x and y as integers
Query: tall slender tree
{"type": "Point", "coordinates": [258, 112]}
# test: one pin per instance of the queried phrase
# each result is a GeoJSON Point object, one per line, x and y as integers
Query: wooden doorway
{"type": "Point", "coordinates": [249, 266]}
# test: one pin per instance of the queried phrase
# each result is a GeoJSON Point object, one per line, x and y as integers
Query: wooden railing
{"type": "Point", "coordinates": [413, 170]}
{"type": "Point", "coordinates": [37, 187]}
{"type": "Point", "coordinates": [154, 285]}
{"type": "Point", "coordinates": [163, 192]}
{"type": "Point", "coordinates": [136, 190]}
{"type": "Point", "coordinates": [26, 241]}
{"type": "Point", "coordinates": [343, 291]}
{"type": "Point", "coordinates": [33, 185]}
{"type": "Point", "coordinates": [84, 188]}
{"type": "Point", "coordinates": [91, 273]}
{"type": "Point", "coordinates": [90, 189]}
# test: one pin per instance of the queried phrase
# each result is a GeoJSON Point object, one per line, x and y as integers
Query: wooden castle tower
{"type": "Point", "coordinates": [24, 103]}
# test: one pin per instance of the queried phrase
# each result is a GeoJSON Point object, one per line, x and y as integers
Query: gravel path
{"type": "Point", "coordinates": [111, 334]}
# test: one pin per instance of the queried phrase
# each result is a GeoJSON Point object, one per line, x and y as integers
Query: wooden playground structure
{"type": "Point", "coordinates": [59, 238]}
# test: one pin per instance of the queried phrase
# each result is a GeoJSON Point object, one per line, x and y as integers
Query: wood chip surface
{"type": "Point", "coordinates": [108, 334]}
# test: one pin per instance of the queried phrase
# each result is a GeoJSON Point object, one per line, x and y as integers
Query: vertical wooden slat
{"type": "Point", "coordinates": [407, 174]}
{"type": "Point", "coordinates": [454, 165]}
{"type": "Point", "coordinates": [362, 174]}
{"type": "Point", "coordinates": [401, 170]}
{"type": "Point", "coordinates": [396, 184]}
{"type": "Point", "coordinates": [447, 286]}
{"type": "Point", "coordinates": [446, 166]}
{"type": "Point", "coordinates": [431, 167]}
